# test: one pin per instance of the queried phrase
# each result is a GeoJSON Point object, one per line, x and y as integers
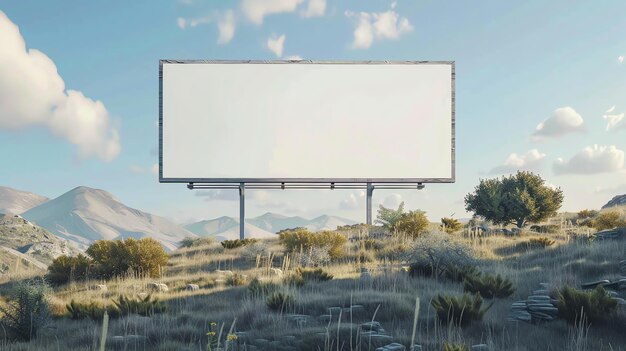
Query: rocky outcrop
{"type": "Point", "coordinates": [619, 200]}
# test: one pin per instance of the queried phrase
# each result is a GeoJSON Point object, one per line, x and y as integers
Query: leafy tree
{"type": "Point", "coordinates": [516, 199]}
{"type": "Point", "coordinates": [412, 223]}
{"type": "Point", "coordinates": [389, 218]}
{"type": "Point", "coordinates": [67, 268]}
{"type": "Point", "coordinates": [450, 225]}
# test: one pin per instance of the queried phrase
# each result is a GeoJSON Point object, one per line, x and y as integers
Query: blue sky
{"type": "Point", "coordinates": [518, 64]}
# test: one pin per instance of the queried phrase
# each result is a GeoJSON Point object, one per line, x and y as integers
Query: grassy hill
{"type": "Point", "coordinates": [370, 283]}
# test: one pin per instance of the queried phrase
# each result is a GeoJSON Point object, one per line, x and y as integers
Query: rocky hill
{"type": "Point", "coordinates": [619, 200]}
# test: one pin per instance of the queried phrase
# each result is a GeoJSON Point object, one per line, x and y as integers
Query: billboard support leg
{"type": "Point", "coordinates": [242, 210]}
{"type": "Point", "coordinates": [370, 191]}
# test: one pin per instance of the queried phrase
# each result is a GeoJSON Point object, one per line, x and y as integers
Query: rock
{"type": "Point", "coordinates": [616, 233]}
{"type": "Point", "coordinates": [158, 287]}
{"type": "Point", "coordinates": [375, 338]}
{"type": "Point", "coordinates": [619, 300]}
{"type": "Point", "coordinates": [480, 347]}
{"type": "Point", "coordinates": [193, 287]}
{"type": "Point", "coordinates": [392, 347]}
{"type": "Point", "coordinates": [592, 285]}
{"type": "Point", "coordinates": [371, 326]}
{"type": "Point", "coordinates": [540, 292]}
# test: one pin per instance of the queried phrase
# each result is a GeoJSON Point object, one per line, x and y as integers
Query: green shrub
{"type": "Point", "coordinates": [27, 309]}
{"type": "Point", "coordinates": [236, 279]}
{"type": "Point", "coordinates": [302, 239]}
{"type": "Point", "coordinates": [412, 223]}
{"type": "Point", "coordinates": [372, 244]}
{"type": "Point", "coordinates": [450, 225]}
{"type": "Point", "coordinates": [448, 346]}
{"type": "Point", "coordinates": [608, 220]}
{"type": "Point", "coordinates": [586, 214]}
{"type": "Point", "coordinates": [113, 258]}
{"type": "Point", "coordinates": [146, 306]}
{"type": "Point", "coordinates": [279, 301]}
{"type": "Point", "coordinates": [540, 242]}
{"type": "Point", "coordinates": [93, 310]}
{"type": "Point", "coordinates": [460, 311]}
{"type": "Point", "coordinates": [236, 243]}
{"type": "Point", "coordinates": [257, 288]}
{"type": "Point", "coordinates": [422, 269]}
{"type": "Point", "coordinates": [591, 307]}
{"type": "Point", "coordinates": [68, 268]}
{"type": "Point", "coordinates": [195, 242]}
{"type": "Point", "coordinates": [488, 286]}
{"type": "Point", "coordinates": [314, 275]}
{"type": "Point", "coordinates": [547, 228]}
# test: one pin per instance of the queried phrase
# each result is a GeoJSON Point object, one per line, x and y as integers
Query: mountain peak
{"type": "Point", "coordinates": [15, 201]}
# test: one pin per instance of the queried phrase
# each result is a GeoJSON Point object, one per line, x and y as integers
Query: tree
{"type": "Point", "coordinates": [516, 199]}
{"type": "Point", "coordinates": [388, 217]}
{"type": "Point", "coordinates": [450, 225]}
{"type": "Point", "coordinates": [412, 223]}
{"type": "Point", "coordinates": [68, 268]}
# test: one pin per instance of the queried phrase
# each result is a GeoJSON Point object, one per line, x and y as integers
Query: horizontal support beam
{"type": "Point", "coordinates": [283, 186]}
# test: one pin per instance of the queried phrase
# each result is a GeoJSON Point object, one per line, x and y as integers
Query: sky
{"type": "Point", "coordinates": [540, 86]}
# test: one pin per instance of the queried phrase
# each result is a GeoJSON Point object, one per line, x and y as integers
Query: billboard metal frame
{"type": "Point", "coordinates": [368, 184]}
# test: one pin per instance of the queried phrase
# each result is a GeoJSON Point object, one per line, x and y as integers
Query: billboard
{"type": "Point", "coordinates": [306, 121]}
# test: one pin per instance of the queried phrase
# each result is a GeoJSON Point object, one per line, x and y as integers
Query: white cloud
{"type": "Point", "coordinates": [226, 27]}
{"type": "Point", "coordinates": [315, 8]}
{"type": "Point", "coordinates": [352, 201]}
{"type": "Point", "coordinates": [591, 160]}
{"type": "Point", "coordinates": [615, 121]}
{"type": "Point", "coordinates": [32, 93]}
{"type": "Point", "coordinates": [181, 22]}
{"type": "Point", "coordinates": [256, 10]}
{"type": "Point", "coordinates": [260, 198]}
{"type": "Point", "coordinates": [155, 168]}
{"type": "Point", "coordinates": [610, 109]}
{"type": "Point", "coordinates": [276, 44]}
{"type": "Point", "coordinates": [620, 59]}
{"type": "Point", "coordinates": [377, 25]}
{"type": "Point", "coordinates": [531, 161]}
{"type": "Point", "coordinates": [392, 201]}
{"type": "Point", "coordinates": [564, 120]}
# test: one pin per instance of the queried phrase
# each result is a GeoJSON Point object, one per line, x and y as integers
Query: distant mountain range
{"type": "Point", "coordinates": [264, 226]}
{"type": "Point", "coordinates": [14, 201]}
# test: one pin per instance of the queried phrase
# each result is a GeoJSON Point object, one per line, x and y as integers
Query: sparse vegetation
{"type": "Point", "coordinates": [27, 309]}
{"type": "Point", "coordinates": [608, 220]}
{"type": "Point", "coordinates": [93, 310]}
{"type": "Point", "coordinates": [389, 218]}
{"type": "Point", "coordinates": [412, 223]}
{"type": "Point", "coordinates": [146, 306]}
{"type": "Point", "coordinates": [195, 242]}
{"type": "Point", "coordinates": [236, 243]}
{"type": "Point", "coordinates": [450, 225]}
{"type": "Point", "coordinates": [488, 286]}
{"type": "Point", "coordinates": [279, 301]}
{"type": "Point", "coordinates": [449, 346]}
{"type": "Point", "coordinates": [112, 258]}
{"type": "Point", "coordinates": [313, 275]}
{"type": "Point", "coordinates": [69, 268]}
{"type": "Point", "coordinates": [516, 199]}
{"type": "Point", "coordinates": [585, 307]}
{"type": "Point", "coordinates": [303, 240]}
{"type": "Point", "coordinates": [542, 242]}
{"type": "Point", "coordinates": [459, 310]}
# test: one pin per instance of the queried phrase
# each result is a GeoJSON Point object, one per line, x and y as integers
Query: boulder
{"type": "Point", "coordinates": [372, 326]}
{"type": "Point", "coordinates": [192, 287]}
{"type": "Point", "coordinates": [158, 287]}
{"type": "Point", "coordinates": [276, 272]}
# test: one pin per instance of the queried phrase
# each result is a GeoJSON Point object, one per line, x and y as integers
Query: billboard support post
{"type": "Point", "coordinates": [370, 191]}
{"type": "Point", "coordinates": [242, 210]}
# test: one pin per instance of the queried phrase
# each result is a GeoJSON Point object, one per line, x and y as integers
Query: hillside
{"type": "Point", "coordinates": [83, 215]}
{"type": "Point", "coordinates": [619, 200]}
{"type": "Point", "coordinates": [14, 201]}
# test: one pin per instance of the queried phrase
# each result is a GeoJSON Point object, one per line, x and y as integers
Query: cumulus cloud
{"type": "Point", "coordinates": [564, 120]}
{"type": "Point", "coordinates": [591, 160]}
{"type": "Point", "coordinates": [226, 27]}
{"type": "Point", "coordinates": [276, 44]}
{"type": "Point", "coordinates": [370, 26]}
{"type": "Point", "coordinates": [256, 10]}
{"type": "Point", "coordinates": [620, 59]}
{"type": "Point", "coordinates": [32, 93]}
{"type": "Point", "coordinates": [531, 161]}
{"type": "Point", "coordinates": [353, 200]}
{"type": "Point", "coordinates": [315, 8]}
{"type": "Point", "coordinates": [392, 201]}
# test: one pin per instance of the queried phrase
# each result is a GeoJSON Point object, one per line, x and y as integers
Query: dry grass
{"type": "Point", "coordinates": [389, 294]}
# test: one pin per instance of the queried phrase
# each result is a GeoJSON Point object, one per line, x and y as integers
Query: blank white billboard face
{"type": "Point", "coordinates": [226, 121]}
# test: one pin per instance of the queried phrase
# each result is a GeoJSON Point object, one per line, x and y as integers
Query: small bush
{"type": "Point", "coordinates": [26, 310]}
{"type": "Point", "coordinates": [195, 242]}
{"type": "Point", "coordinates": [459, 274]}
{"type": "Point", "coordinates": [435, 253]}
{"type": "Point", "coordinates": [314, 275]}
{"type": "Point", "coordinates": [114, 258]}
{"type": "Point", "coordinates": [586, 214]}
{"type": "Point", "coordinates": [304, 240]}
{"type": "Point", "coordinates": [279, 301]}
{"type": "Point", "coordinates": [547, 228]}
{"type": "Point", "coordinates": [412, 223]}
{"type": "Point", "coordinates": [422, 269]}
{"type": "Point", "coordinates": [236, 243]}
{"type": "Point", "coordinates": [594, 306]}
{"type": "Point", "coordinates": [372, 244]}
{"type": "Point", "coordinates": [146, 306]}
{"type": "Point", "coordinates": [608, 220]}
{"type": "Point", "coordinates": [448, 346]}
{"type": "Point", "coordinates": [488, 286]}
{"type": "Point", "coordinates": [93, 310]}
{"type": "Point", "coordinates": [540, 242]}
{"type": "Point", "coordinates": [460, 311]}
{"type": "Point", "coordinates": [68, 268]}
{"type": "Point", "coordinates": [450, 225]}
{"type": "Point", "coordinates": [236, 280]}
{"type": "Point", "coordinates": [257, 288]}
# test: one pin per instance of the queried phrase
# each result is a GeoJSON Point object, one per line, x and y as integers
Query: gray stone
{"type": "Point", "coordinates": [480, 347]}
{"type": "Point", "coordinates": [540, 292]}
{"type": "Point", "coordinates": [375, 338]}
{"type": "Point", "coordinates": [392, 347]}
{"type": "Point", "coordinates": [192, 287]}
{"type": "Point", "coordinates": [592, 285]}
{"type": "Point", "coordinates": [158, 287]}
{"type": "Point", "coordinates": [619, 300]}
{"type": "Point", "coordinates": [276, 272]}
{"type": "Point", "coordinates": [371, 326]}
